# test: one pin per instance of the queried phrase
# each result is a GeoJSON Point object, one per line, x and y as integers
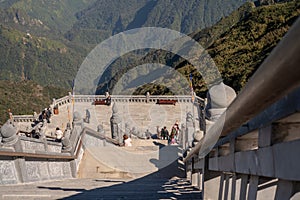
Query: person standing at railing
{"type": "Point", "coordinates": [58, 135]}
{"type": "Point", "coordinates": [164, 133]}
{"type": "Point", "coordinates": [10, 115]}
{"type": "Point", "coordinates": [174, 133]}
{"type": "Point", "coordinates": [127, 140]}
{"type": "Point", "coordinates": [87, 116]}
{"type": "Point", "coordinates": [107, 99]}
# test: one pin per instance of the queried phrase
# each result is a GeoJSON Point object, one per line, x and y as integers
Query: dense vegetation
{"type": "Point", "coordinates": [25, 97]}
{"type": "Point", "coordinates": [241, 50]}
{"type": "Point", "coordinates": [238, 44]}
{"type": "Point", "coordinates": [46, 41]}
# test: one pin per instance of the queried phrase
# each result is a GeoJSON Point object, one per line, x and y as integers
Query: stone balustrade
{"type": "Point", "coordinates": [124, 98]}
{"type": "Point", "coordinates": [23, 118]}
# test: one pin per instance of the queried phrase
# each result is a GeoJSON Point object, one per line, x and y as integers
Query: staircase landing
{"type": "Point", "coordinates": [144, 188]}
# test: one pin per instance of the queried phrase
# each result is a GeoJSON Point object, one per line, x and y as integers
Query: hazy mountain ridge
{"type": "Point", "coordinates": [238, 44]}
{"type": "Point", "coordinates": [27, 57]}
{"type": "Point", "coordinates": [32, 22]}
{"type": "Point", "coordinates": [109, 17]}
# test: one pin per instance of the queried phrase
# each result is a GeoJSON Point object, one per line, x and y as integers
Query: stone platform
{"type": "Point", "coordinates": [147, 187]}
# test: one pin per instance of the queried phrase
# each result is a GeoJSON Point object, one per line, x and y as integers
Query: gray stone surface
{"type": "Point", "coordinates": [54, 147]}
{"type": "Point", "coordinates": [246, 162]}
{"type": "Point", "coordinates": [32, 171]}
{"type": "Point", "coordinates": [286, 162]}
{"type": "Point", "coordinates": [227, 163]}
{"type": "Point", "coordinates": [146, 188]}
{"type": "Point", "coordinates": [90, 141]}
{"type": "Point", "coordinates": [31, 145]}
{"type": "Point", "coordinates": [7, 172]}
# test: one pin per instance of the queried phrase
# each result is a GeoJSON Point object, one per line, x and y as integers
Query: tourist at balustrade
{"type": "Point", "coordinates": [107, 99]}
{"type": "Point", "coordinates": [10, 115]}
{"type": "Point", "coordinates": [48, 115]}
{"type": "Point", "coordinates": [58, 135]}
{"type": "Point", "coordinates": [87, 116]}
{"type": "Point", "coordinates": [164, 133]}
{"type": "Point", "coordinates": [174, 133]}
{"type": "Point", "coordinates": [127, 141]}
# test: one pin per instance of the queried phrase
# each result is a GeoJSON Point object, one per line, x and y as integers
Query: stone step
{"type": "Point", "coordinates": [149, 187]}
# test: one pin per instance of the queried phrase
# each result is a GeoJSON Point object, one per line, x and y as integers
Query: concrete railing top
{"type": "Point", "coordinates": [124, 98]}
{"type": "Point", "coordinates": [54, 155]}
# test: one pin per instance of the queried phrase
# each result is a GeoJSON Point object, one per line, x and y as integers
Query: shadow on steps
{"type": "Point", "coordinates": [167, 183]}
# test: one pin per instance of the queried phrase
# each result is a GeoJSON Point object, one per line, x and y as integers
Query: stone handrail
{"type": "Point", "coordinates": [114, 98]}
{"type": "Point", "coordinates": [61, 101]}
{"type": "Point", "coordinates": [23, 118]}
{"type": "Point", "coordinates": [266, 80]}
{"type": "Point", "coordinates": [60, 156]}
{"type": "Point", "coordinates": [124, 98]}
{"type": "Point", "coordinates": [259, 135]}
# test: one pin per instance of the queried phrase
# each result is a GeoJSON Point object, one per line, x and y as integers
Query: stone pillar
{"type": "Point", "coordinates": [197, 137]}
{"type": "Point", "coordinates": [190, 129]}
{"type": "Point", "coordinates": [147, 97]}
{"type": "Point", "coordinates": [115, 123]}
{"type": "Point", "coordinates": [219, 97]}
{"type": "Point", "coordinates": [9, 133]}
{"type": "Point", "coordinates": [66, 144]}
{"type": "Point", "coordinates": [77, 127]}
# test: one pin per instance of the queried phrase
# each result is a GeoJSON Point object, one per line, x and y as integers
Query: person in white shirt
{"type": "Point", "coordinates": [58, 134]}
{"type": "Point", "coordinates": [127, 141]}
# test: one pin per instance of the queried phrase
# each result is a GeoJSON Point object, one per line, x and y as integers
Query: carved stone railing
{"type": "Point", "coordinates": [257, 154]}
{"type": "Point", "coordinates": [124, 98]}
{"type": "Point", "coordinates": [30, 159]}
{"type": "Point", "coordinates": [23, 118]}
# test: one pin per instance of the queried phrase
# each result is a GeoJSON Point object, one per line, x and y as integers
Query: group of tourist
{"type": "Point", "coordinates": [45, 115]}
{"type": "Point", "coordinates": [171, 136]}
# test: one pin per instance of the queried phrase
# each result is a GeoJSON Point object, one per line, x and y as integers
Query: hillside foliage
{"type": "Point", "coordinates": [26, 97]}
{"type": "Point", "coordinates": [238, 44]}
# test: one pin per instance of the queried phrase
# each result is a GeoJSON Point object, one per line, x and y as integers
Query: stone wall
{"type": "Point", "coordinates": [20, 170]}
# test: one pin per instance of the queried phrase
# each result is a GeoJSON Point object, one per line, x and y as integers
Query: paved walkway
{"type": "Point", "coordinates": [143, 188]}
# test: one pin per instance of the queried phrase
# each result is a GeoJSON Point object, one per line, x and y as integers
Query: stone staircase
{"type": "Point", "coordinates": [146, 188]}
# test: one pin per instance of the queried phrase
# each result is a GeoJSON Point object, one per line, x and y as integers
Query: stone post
{"type": "Point", "coordinates": [219, 97]}
{"type": "Point", "coordinates": [147, 97]}
{"type": "Point", "coordinates": [115, 123]}
{"type": "Point", "coordinates": [66, 144]}
{"type": "Point", "coordinates": [77, 128]}
{"type": "Point", "coordinates": [9, 133]}
{"type": "Point", "coordinates": [190, 129]}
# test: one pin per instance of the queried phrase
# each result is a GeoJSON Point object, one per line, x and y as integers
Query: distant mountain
{"type": "Point", "coordinates": [26, 57]}
{"type": "Point", "coordinates": [108, 17]}
{"type": "Point", "coordinates": [55, 15]}
{"type": "Point", "coordinates": [33, 44]}
{"type": "Point", "coordinates": [238, 45]}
